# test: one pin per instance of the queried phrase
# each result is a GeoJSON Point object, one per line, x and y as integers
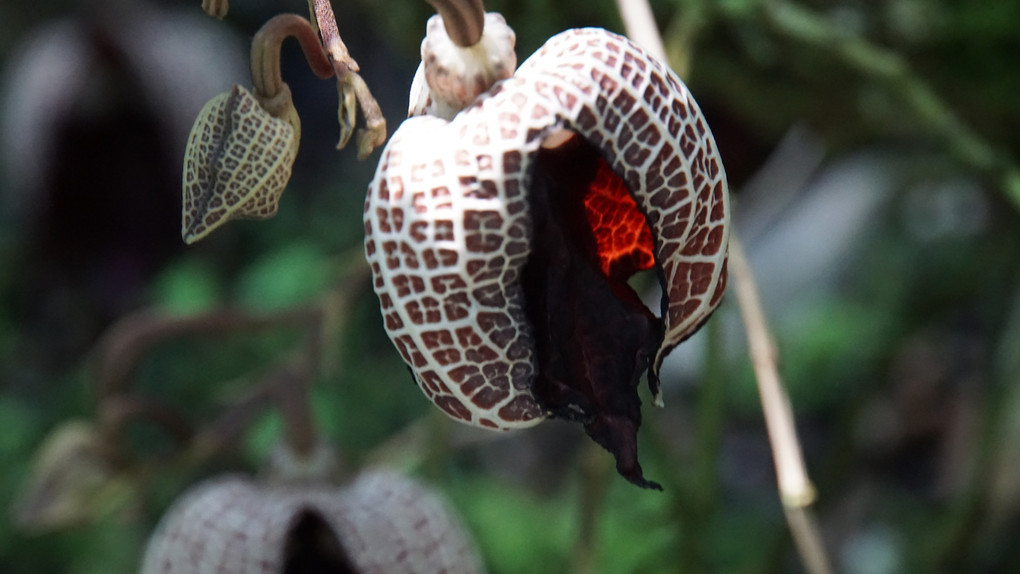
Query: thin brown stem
{"type": "Point", "coordinates": [116, 412]}
{"type": "Point", "coordinates": [265, 54]}
{"type": "Point", "coordinates": [640, 24]}
{"type": "Point", "coordinates": [125, 343]}
{"type": "Point", "coordinates": [464, 20]}
{"type": "Point", "coordinates": [292, 391]}
{"type": "Point", "coordinates": [795, 488]}
{"type": "Point", "coordinates": [213, 438]}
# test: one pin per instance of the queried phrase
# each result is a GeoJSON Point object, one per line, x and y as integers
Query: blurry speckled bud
{"type": "Point", "coordinates": [71, 482]}
{"type": "Point", "coordinates": [237, 163]}
{"type": "Point", "coordinates": [451, 77]}
{"type": "Point", "coordinates": [382, 523]}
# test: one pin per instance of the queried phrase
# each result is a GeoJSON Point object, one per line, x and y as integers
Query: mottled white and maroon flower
{"type": "Point", "coordinates": [502, 240]}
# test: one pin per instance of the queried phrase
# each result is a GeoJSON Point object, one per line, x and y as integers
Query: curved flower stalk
{"type": "Point", "coordinates": [382, 522]}
{"type": "Point", "coordinates": [501, 257]}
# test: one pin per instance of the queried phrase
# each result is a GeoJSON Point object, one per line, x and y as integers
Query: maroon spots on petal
{"type": "Point", "coordinates": [447, 356]}
{"type": "Point", "coordinates": [430, 259]}
{"type": "Point", "coordinates": [481, 354]}
{"type": "Point", "coordinates": [418, 201]}
{"type": "Point", "coordinates": [456, 306]}
{"type": "Point", "coordinates": [475, 266]}
{"type": "Point", "coordinates": [650, 136]}
{"type": "Point", "coordinates": [447, 257]}
{"type": "Point", "coordinates": [482, 243]}
{"type": "Point", "coordinates": [636, 155]}
{"type": "Point", "coordinates": [431, 306]}
{"type": "Point", "coordinates": [624, 102]}
{"type": "Point", "coordinates": [490, 396]}
{"type": "Point", "coordinates": [511, 188]}
{"type": "Point", "coordinates": [467, 337]}
{"type": "Point", "coordinates": [565, 98]}
{"type": "Point", "coordinates": [468, 183]}
{"type": "Point", "coordinates": [474, 220]}
{"type": "Point", "coordinates": [638, 119]}
{"type": "Point", "coordinates": [443, 230]}
{"type": "Point", "coordinates": [449, 281]}
{"type": "Point", "coordinates": [679, 108]}
{"type": "Point", "coordinates": [402, 284]}
{"type": "Point", "coordinates": [384, 219]}
{"type": "Point", "coordinates": [471, 385]}
{"type": "Point", "coordinates": [490, 295]}
{"type": "Point", "coordinates": [679, 313]}
{"type": "Point", "coordinates": [432, 381]}
{"type": "Point", "coordinates": [464, 373]}
{"type": "Point", "coordinates": [417, 231]}
{"type": "Point", "coordinates": [521, 408]}
{"type": "Point", "coordinates": [720, 287]}
{"type": "Point", "coordinates": [437, 338]}
{"type": "Point", "coordinates": [453, 407]}
{"type": "Point", "coordinates": [586, 119]}
{"type": "Point", "coordinates": [714, 241]}
{"type": "Point", "coordinates": [515, 207]}
{"type": "Point", "coordinates": [485, 190]}
{"type": "Point", "coordinates": [393, 322]}
{"type": "Point", "coordinates": [414, 312]}
{"type": "Point", "coordinates": [488, 321]}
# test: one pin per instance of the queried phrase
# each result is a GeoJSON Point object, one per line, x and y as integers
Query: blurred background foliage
{"type": "Point", "coordinates": [870, 147]}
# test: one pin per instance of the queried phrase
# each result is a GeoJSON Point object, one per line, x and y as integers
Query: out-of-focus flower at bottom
{"type": "Point", "coordinates": [381, 522]}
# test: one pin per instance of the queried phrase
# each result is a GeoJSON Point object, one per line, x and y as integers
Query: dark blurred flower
{"type": "Point", "coordinates": [382, 522]}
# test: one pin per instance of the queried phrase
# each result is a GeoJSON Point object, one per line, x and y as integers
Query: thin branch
{"type": "Point", "coordinates": [265, 53]}
{"type": "Point", "coordinates": [640, 24]}
{"type": "Point", "coordinates": [795, 488]}
{"type": "Point", "coordinates": [126, 342]}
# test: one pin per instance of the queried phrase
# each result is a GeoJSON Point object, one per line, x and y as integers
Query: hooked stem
{"type": "Point", "coordinates": [464, 20]}
{"type": "Point", "coordinates": [266, 76]}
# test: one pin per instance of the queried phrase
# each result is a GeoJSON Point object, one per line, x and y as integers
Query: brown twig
{"type": "Point", "coordinates": [126, 342]}
{"type": "Point", "coordinates": [266, 76]}
{"type": "Point", "coordinates": [795, 488]}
